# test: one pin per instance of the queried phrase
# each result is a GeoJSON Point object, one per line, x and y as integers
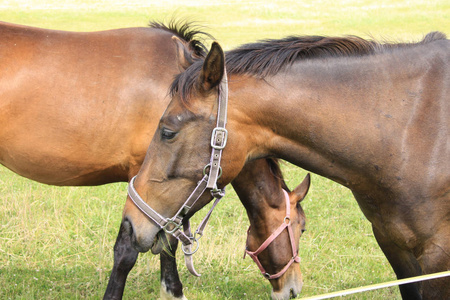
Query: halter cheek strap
{"type": "Point", "coordinates": [271, 238]}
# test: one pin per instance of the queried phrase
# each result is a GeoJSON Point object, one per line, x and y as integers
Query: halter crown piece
{"type": "Point", "coordinates": [211, 173]}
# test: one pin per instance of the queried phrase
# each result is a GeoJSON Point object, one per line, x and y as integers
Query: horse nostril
{"type": "Point", "coordinates": [293, 294]}
{"type": "Point", "coordinates": [127, 227]}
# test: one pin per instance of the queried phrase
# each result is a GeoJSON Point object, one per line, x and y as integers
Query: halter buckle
{"type": "Point", "coordinates": [216, 138]}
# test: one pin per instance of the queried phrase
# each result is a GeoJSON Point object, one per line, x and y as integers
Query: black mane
{"type": "Point", "coordinates": [267, 57]}
{"type": "Point", "coordinates": [187, 31]}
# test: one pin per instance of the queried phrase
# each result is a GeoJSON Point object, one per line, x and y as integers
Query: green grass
{"type": "Point", "coordinates": [56, 243]}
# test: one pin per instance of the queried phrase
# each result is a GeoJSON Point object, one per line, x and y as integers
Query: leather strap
{"type": "Point", "coordinates": [189, 252]}
{"type": "Point", "coordinates": [219, 135]}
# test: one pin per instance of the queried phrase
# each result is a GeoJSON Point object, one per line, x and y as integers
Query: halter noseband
{"type": "Point", "coordinates": [211, 173]}
{"type": "Point", "coordinates": [271, 238]}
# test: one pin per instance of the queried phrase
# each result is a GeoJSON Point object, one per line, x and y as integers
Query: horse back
{"type": "Point", "coordinates": [77, 106]}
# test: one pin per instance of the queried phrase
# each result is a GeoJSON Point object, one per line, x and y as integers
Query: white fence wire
{"type": "Point", "coordinates": [379, 286]}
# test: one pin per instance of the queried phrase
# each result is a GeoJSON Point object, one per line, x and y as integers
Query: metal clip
{"type": "Point", "coordinates": [205, 169]}
{"type": "Point", "coordinates": [217, 193]}
{"type": "Point", "coordinates": [171, 222]}
{"type": "Point", "coordinates": [187, 251]}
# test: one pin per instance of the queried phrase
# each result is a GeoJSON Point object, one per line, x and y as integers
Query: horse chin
{"type": "Point", "coordinates": [138, 246]}
{"type": "Point", "coordinates": [141, 244]}
{"type": "Point", "coordinates": [157, 246]}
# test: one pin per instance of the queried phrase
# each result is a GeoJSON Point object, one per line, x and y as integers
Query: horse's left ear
{"type": "Point", "coordinates": [213, 68]}
{"type": "Point", "coordinates": [302, 189]}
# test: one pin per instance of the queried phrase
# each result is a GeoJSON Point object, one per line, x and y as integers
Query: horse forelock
{"type": "Point", "coordinates": [189, 31]}
{"type": "Point", "coordinates": [185, 83]}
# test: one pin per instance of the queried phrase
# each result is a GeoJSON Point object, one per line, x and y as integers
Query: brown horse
{"type": "Point", "coordinates": [373, 117]}
{"type": "Point", "coordinates": [81, 108]}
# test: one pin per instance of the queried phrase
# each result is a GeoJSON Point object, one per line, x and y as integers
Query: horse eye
{"type": "Point", "coordinates": [167, 134]}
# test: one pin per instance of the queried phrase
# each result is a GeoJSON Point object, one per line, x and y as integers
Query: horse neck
{"type": "Point", "coordinates": [341, 120]}
{"type": "Point", "coordinates": [292, 124]}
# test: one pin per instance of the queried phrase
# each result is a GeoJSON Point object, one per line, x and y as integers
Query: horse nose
{"type": "Point", "coordinates": [286, 293]}
{"type": "Point", "coordinates": [289, 285]}
{"type": "Point", "coordinates": [127, 227]}
{"type": "Point", "coordinates": [129, 232]}
{"type": "Point", "coordinates": [140, 232]}
{"type": "Point", "coordinates": [294, 293]}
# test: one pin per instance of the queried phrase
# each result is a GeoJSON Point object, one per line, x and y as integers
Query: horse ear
{"type": "Point", "coordinates": [183, 54]}
{"type": "Point", "coordinates": [213, 68]}
{"type": "Point", "coordinates": [302, 189]}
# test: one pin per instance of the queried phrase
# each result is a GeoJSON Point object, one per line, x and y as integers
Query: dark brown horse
{"type": "Point", "coordinates": [81, 108]}
{"type": "Point", "coordinates": [373, 117]}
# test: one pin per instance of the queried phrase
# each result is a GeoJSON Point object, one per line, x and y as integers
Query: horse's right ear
{"type": "Point", "coordinates": [302, 189]}
{"type": "Point", "coordinates": [213, 68]}
{"type": "Point", "coordinates": [183, 54]}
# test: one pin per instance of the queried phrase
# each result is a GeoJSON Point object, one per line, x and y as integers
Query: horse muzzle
{"type": "Point", "coordinates": [289, 285]}
{"type": "Point", "coordinates": [142, 242]}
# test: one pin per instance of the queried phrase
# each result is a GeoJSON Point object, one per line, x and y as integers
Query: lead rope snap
{"type": "Point", "coordinates": [187, 247]}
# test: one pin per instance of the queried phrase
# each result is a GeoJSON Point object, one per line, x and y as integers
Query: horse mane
{"type": "Point", "coordinates": [275, 169]}
{"type": "Point", "coordinates": [188, 31]}
{"type": "Point", "coordinates": [267, 57]}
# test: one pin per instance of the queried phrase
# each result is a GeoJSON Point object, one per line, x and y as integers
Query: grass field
{"type": "Point", "coordinates": [56, 243]}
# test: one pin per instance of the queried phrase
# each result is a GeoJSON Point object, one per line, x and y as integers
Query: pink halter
{"type": "Point", "coordinates": [271, 238]}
